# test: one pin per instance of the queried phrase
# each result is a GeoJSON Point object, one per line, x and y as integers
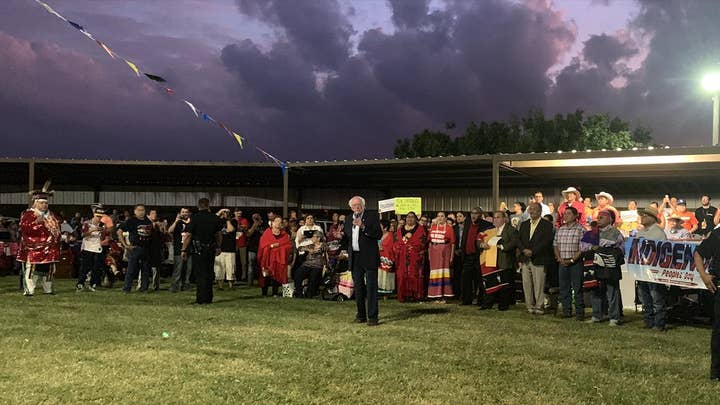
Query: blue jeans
{"type": "Point", "coordinates": [180, 278]}
{"type": "Point", "coordinates": [652, 296]}
{"type": "Point", "coordinates": [608, 293]}
{"type": "Point", "coordinates": [137, 262]}
{"type": "Point", "coordinates": [570, 280]}
{"type": "Point", "coordinates": [366, 287]}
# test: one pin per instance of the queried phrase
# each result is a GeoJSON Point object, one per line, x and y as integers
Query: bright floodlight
{"type": "Point", "coordinates": [711, 82]}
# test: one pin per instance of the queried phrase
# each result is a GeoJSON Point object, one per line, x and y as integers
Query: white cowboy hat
{"type": "Point", "coordinates": [606, 195]}
{"type": "Point", "coordinates": [570, 190]}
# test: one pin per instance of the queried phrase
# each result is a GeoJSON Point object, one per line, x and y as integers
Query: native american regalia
{"type": "Point", "coordinates": [386, 272]}
{"type": "Point", "coordinates": [273, 260]}
{"type": "Point", "coordinates": [492, 276]}
{"type": "Point", "coordinates": [442, 239]}
{"type": "Point", "coordinates": [410, 263]}
{"type": "Point", "coordinates": [39, 250]}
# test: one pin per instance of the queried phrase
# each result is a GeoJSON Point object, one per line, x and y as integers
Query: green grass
{"type": "Point", "coordinates": [108, 347]}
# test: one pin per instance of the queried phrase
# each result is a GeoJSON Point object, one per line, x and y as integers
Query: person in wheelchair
{"type": "Point", "coordinates": [316, 259]}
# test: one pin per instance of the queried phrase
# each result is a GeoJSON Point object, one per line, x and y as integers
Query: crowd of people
{"type": "Point", "coordinates": [469, 257]}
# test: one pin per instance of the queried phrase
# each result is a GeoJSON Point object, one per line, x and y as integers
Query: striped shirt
{"type": "Point", "coordinates": [567, 239]}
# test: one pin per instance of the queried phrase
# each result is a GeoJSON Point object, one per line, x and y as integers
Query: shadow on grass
{"type": "Point", "coordinates": [414, 313]}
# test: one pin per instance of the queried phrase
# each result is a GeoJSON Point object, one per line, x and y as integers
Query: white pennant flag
{"type": "Point", "coordinates": [192, 107]}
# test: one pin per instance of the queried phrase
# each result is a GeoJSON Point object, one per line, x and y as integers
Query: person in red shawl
{"type": "Point", "coordinates": [273, 253]}
{"type": "Point", "coordinates": [441, 253]}
{"type": "Point", "coordinates": [40, 246]}
{"type": "Point", "coordinates": [410, 259]}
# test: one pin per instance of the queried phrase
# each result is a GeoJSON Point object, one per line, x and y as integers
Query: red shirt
{"type": "Point", "coordinates": [241, 235]}
{"type": "Point", "coordinates": [580, 207]}
{"type": "Point", "coordinates": [470, 243]}
{"type": "Point", "coordinates": [442, 234]}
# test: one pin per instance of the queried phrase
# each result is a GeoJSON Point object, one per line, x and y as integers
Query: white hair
{"type": "Point", "coordinates": [362, 201]}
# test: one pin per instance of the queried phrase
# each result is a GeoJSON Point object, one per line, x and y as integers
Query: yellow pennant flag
{"type": "Point", "coordinates": [239, 139]}
{"type": "Point", "coordinates": [133, 67]}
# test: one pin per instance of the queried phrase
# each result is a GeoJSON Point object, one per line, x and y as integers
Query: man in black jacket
{"type": "Point", "coordinates": [362, 235]}
{"type": "Point", "coordinates": [457, 262]}
{"type": "Point", "coordinates": [204, 235]}
{"type": "Point", "coordinates": [536, 252]}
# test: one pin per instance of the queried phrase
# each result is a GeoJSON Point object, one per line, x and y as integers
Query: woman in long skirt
{"type": "Point", "coordinates": [410, 250]}
{"type": "Point", "coordinates": [386, 272]}
{"type": "Point", "coordinates": [441, 253]}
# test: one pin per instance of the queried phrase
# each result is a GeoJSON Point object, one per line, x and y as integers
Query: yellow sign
{"type": "Point", "coordinates": [403, 205]}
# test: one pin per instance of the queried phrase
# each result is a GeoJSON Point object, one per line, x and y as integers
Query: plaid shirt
{"type": "Point", "coordinates": [567, 239]}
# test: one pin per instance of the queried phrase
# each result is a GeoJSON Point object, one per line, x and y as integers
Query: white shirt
{"type": "Point", "coordinates": [300, 239]}
{"type": "Point", "coordinates": [356, 236]}
{"type": "Point", "coordinates": [499, 232]}
{"type": "Point", "coordinates": [92, 243]}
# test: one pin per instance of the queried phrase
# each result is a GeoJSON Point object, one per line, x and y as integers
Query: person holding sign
{"type": "Point", "coordinates": [410, 259]}
{"type": "Point", "coordinates": [652, 295]}
{"type": "Point", "coordinates": [710, 249]}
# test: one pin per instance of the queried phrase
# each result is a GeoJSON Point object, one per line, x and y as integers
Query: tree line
{"type": "Point", "coordinates": [534, 133]}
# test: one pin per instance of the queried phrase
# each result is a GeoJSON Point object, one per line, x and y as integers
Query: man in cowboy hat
{"type": "Point", "coordinates": [604, 202]}
{"type": "Point", "coordinates": [40, 247]}
{"type": "Point", "coordinates": [571, 198]}
{"type": "Point", "coordinates": [675, 230]}
{"type": "Point", "coordinates": [652, 295]}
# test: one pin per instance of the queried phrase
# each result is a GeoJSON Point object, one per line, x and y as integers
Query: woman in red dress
{"type": "Point", "coordinates": [410, 259]}
{"type": "Point", "coordinates": [273, 253]}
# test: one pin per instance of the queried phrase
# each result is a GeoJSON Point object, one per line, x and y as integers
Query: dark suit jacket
{"type": "Point", "coordinates": [458, 236]}
{"type": "Point", "coordinates": [540, 244]}
{"type": "Point", "coordinates": [509, 239]}
{"type": "Point", "coordinates": [369, 256]}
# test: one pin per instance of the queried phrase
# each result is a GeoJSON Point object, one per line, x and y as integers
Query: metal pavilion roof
{"type": "Point", "coordinates": [637, 165]}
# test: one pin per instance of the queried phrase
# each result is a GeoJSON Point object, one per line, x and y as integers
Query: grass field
{"type": "Point", "coordinates": [107, 347]}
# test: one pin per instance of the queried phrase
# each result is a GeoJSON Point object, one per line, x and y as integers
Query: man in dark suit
{"type": "Point", "coordinates": [457, 262]}
{"type": "Point", "coordinates": [536, 252]}
{"type": "Point", "coordinates": [506, 264]}
{"type": "Point", "coordinates": [362, 235]}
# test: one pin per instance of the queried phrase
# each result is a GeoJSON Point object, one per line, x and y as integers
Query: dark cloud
{"type": "Point", "coordinates": [470, 61]}
{"type": "Point", "coordinates": [310, 92]}
{"type": "Point", "coordinates": [318, 28]}
{"type": "Point", "coordinates": [58, 100]}
{"type": "Point", "coordinates": [663, 92]}
{"type": "Point", "coordinates": [604, 51]}
{"type": "Point", "coordinates": [409, 13]}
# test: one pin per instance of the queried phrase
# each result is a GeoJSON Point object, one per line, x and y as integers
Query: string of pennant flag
{"type": "Point", "coordinates": [160, 82]}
